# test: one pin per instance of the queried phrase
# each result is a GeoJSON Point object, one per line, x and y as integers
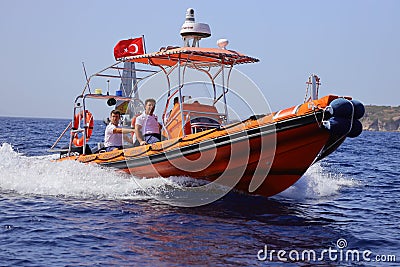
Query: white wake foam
{"type": "Point", "coordinates": [318, 183]}
{"type": "Point", "coordinates": [42, 176]}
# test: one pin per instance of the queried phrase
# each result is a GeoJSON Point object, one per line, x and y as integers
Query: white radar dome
{"type": "Point", "coordinates": [192, 30]}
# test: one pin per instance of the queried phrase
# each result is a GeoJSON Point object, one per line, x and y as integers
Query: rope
{"type": "Point", "coordinates": [150, 148]}
{"type": "Point", "coordinates": [352, 117]}
{"type": "Point", "coordinates": [315, 108]}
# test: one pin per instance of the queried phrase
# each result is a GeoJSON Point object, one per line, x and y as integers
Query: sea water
{"type": "Point", "coordinates": [72, 214]}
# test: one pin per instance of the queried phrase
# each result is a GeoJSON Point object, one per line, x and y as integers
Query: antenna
{"type": "Point", "coordinates": [87, 80]}
{"type": "Point", "coordinates": [108, 87]}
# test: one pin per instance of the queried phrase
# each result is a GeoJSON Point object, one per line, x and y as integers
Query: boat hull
{"type": "Point", "coordinates": [274, 158]}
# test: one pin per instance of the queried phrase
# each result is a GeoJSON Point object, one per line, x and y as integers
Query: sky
{"type": "Point", "coordinates": [353, 46]}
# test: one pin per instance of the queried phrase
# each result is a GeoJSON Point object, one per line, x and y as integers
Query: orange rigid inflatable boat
{"type": "Point", "coordinates": [262, 154]}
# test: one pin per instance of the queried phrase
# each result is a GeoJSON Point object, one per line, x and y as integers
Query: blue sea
{"type": "Point", "coordinates": [345, 210]}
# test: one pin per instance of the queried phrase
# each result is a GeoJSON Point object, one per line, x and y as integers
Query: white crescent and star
{"type": "Point", "coordinates": [129, 50]}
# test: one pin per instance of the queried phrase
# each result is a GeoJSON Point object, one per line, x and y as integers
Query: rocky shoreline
{"type": "Point", "coordinates": [381, 118]}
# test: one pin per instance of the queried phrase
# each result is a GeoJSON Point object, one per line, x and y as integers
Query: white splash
{"type": "Point", "coordinates": [43, 176]}
{"type": "Point", "coordinates": [318, 183]}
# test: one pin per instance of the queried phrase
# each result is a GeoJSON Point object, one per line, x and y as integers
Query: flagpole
{"type": "Point", "coordinates": [144, 44]}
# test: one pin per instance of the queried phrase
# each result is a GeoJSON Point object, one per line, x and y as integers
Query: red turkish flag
{"type": "Point", "coordinates": [130, 47]}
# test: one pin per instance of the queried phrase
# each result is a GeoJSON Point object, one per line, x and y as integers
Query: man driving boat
{"type": "Point", "coordinates": [114, 133]}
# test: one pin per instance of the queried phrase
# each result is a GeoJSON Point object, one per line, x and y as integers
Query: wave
{"type": "Point", "coordinates": [318, 182]}
{"type": "Point", "coordinates": [41, 175]}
